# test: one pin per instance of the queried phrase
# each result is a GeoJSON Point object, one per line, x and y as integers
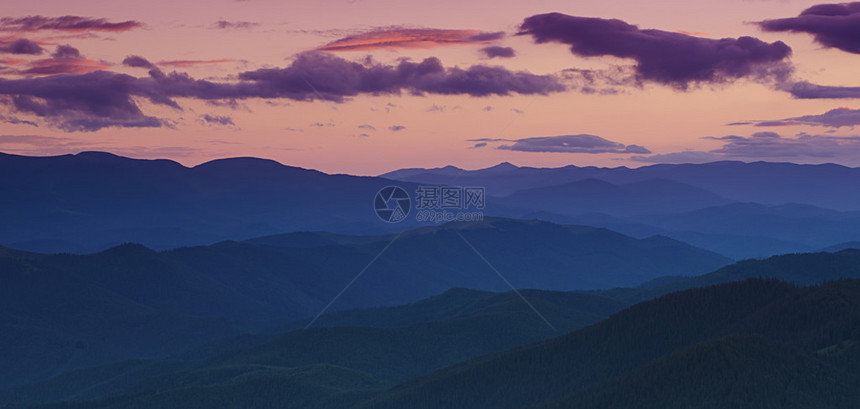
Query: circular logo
{"type": "Point", "coordinates": [392, 204]}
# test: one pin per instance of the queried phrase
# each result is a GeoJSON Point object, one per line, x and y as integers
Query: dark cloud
{"type": "Point", "coordinates": [85, 102]}
{"type": "Point", "coordinates": [66, 52]}
{"type": "Point", "coordinates": [137, 61]}
{"type": "Point", "coordinates": [582, 143]}
{"type": "Point", "coordinates": [769, 146]}
{"type": "Point", "coordinates": [835, 118]}
{"type": "Point", "coordinates": [217, 120]}
{"type": "Point", "coordinates": [240, 25]}
{"type": "Point", "coordinates": [65, 23]}
{"type": "Point", "coordinates": [496, 51]}
{"type": "Point", "coordinates": [20, 46]}
{"type": "Point", "coordinates": [367, 127]}
{"type": "Point", "coordinates": [479, 145]}
{"type": "Point", "coordinates": [664, 57]}
{"type": "Point", "coordinates": [324, 76]}
{"type": "Point", "coordinates": [99, 99]}
{"type": "Point", "coordinates": [833, 25]}
{"type": "Point", "coordinates": [806, 90]}
{"type": "Point", "coordinates": [396, 128]}
{"type": "Point", "coordinates": [399, 38]}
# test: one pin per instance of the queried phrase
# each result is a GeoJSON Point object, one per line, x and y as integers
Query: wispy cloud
{"type": "Point", "coordinates": [234, 25]}
{"type": "Point", "coordinates": [191, 63]}
{"type": "Point", "coordinates": [222, 120]}
{"type": "Point", "coordinates": [65, 23]}
{"type": "Point", "coordinates": [768, 146]}
{"type": "Point", "coordinates": [65, 60]}
{"type": "Point", "coordinates": [835, 118]}
{"type": "Point", "coordinates": [582, 143]}
{"type": "Point", "coordinates": [806, 90]}
{"type": "Point", "coordinates": [396, 38]}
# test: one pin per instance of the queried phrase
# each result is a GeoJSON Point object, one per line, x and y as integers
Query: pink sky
{"type": "Point", "coordinates": [373, 133]}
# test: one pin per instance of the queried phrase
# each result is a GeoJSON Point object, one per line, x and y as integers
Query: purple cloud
{"type": "Point", "coordinates": [66, 52]}
{"type": "Point", "coordinates": [20, 46]}
{"type": "Point", "coordinates": [664, 57]}
{"type": "Point", "coordinates": [65, 23]}
{"type": "Point", "coordinates": [239, 25]}
{"type": "Point", "coordinates": [86, 102]}
{"type": "Point", "coordinates": [325, 76]}
{"type": "Point", "coordinates": [137, 61]}
{"type": "Point", "coordinates": [768, 146]}
{"type": "Point", "coordinates": [396, 128]}
{"type": "Point", "coordinates": [832, 25]}
{"type": "Point", "coordinates": [582, 143]}
{"type": "Point", "coordinates": [497, 51]}
{"type": "Point", "coordinates": [222, 120]}
{"type": "Point", "coordinates": [806, 90]}
{"type": "Point", "coordinates": [835, 118]}
{"type": "Point", "coordinates": [95, 100]}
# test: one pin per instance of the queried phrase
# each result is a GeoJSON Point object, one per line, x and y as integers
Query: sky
{"type": "Point", "coordinates": [365, 87]}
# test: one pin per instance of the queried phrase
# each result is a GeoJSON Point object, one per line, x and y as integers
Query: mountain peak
{"type": "Point", "coordinates": [503, 166]}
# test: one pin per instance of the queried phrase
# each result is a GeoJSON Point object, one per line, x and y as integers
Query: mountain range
{"type": "Point", "coordinates": [749, 343]}
{"type": "Point", "coordinates": [61, 312]}
{"type": "Point", "coordinates": [92, 201]}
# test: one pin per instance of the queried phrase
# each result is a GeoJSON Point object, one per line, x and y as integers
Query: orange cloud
{"type": "Point", "coordinates": [53, 67]}
{"type": "Point", "coordinates": [695, 33]}
{"type": "Point", "coordinates": [409, 38]}
{"type": "Point", "coordinates": [12, 61]}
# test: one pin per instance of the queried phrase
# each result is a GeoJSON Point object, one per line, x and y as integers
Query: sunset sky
{"type": "Point", "coordinates": [366, 86]}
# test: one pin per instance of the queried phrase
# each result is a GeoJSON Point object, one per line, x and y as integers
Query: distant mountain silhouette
{"type": "Point", "coordinates": [134, 302]}
{"type": "Point", "coordinates": [842, 246]}
{"type": "Point", "coordinates": [828, 186]}
{"type": "Point", "coordinates": [741, 210]}
{"type": "Point", "coordinates": [593, 195]}
{"type": "Point", "coordinates": [94, 200]}
{"type": "Point", "coordinates": [800, 269]}
{"type": "Point", "coordinates": [812, 226]}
